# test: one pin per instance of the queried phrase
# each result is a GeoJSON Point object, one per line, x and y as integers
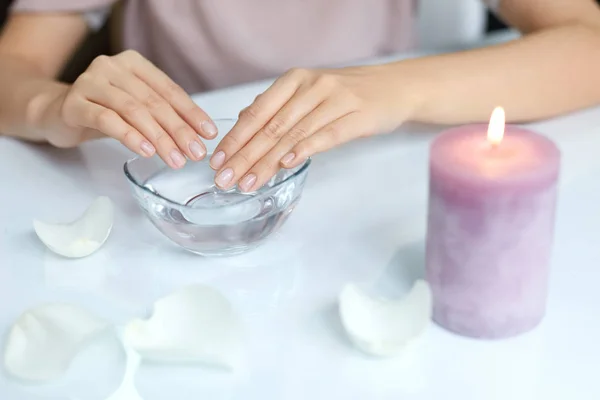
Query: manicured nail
{"type": "Point", "coordinates": [177, 158]}
{"type": "Point", "coordinates": [247, 183]}
{"type": "Point", "coordinates": [197, 150]}
{"type": "Point", "coordinates": [288, 158]}
{"type": "Point", "coordinates": [147, 148]}
{"type": "Point", "coordinates": [209, 128]}
{"type": "Point", "coordinates": [224, 177]}
{"type": "Point", "coordinates": [217, 160]}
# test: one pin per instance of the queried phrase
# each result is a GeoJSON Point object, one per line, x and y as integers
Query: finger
{"type": "Point", "coordinates": [255, 116]}
{"type": "Point", "coordinates": [136, 115]}
{"type": "Point", "coordinates": [270, 163]}
{"type": "Point", "coordinates": [171, 92]}
{"type": "Point", "coordinates": [297, 108]}
{"type": "Point", "coordinates": [343, 130]}
{"type": "Point", "coordinates": [180, 131]}
{"type": "Point", "coordinates": [97, 118]}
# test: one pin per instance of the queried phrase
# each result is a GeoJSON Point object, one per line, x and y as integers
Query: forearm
{"type": "Point", "coordinates": [24, 95]}
{"type": "Point", "coordinates": [541, 75]}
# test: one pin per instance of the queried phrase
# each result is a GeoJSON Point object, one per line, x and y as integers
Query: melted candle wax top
{"type": "Point", "coordinates": [521, 158]}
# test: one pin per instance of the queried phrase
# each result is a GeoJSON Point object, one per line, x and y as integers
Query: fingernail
{"type": "Point", "coordinates": [224, 177]}
{"type": "Point", "coordinates": [288, 158]}
{"type": "Point", "coordinates": [209, 128]}
{"type": "Point", "coordinates": [217, 160]}
{"type": "Point", "coordinates": [248, 181]}
{"type": "Point", "coordinates": [147, 148]}
{"type": "Point", "coordinates": [177, 158]}
{"type": "Point", "coordinates": [197, 150]}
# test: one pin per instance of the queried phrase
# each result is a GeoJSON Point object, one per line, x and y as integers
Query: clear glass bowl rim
{"type": "Point", "coordinates": [259, 193]}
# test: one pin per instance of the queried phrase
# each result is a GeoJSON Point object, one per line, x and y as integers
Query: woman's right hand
{"type": "Point", "coordinates": [129, 99]}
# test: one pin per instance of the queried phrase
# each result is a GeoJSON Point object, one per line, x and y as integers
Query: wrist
{"type": "Point", "coordinates": [406, 91]}
{"type": "Point", "coordinates": [43, 111]}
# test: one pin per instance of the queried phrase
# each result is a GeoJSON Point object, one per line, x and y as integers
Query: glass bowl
{"type": "Point", "coordinates": [187, 207]}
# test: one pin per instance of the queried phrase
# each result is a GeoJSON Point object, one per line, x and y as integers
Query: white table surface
{"type": "Point", "coordinates": [361, 218]}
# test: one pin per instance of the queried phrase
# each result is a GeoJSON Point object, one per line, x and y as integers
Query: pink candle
{"type": "Point", "coordinates": [491, 226]}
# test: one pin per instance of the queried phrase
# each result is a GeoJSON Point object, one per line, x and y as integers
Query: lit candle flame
{"type": "Point", "coordinates": [496, 127]}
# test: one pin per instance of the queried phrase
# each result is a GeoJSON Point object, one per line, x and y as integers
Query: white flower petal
{"type": "Point", "coordinates": [196, 324]}
{"type": "Point", "coordinates": [385, 327]}
{"type": "Point", "coordinates": [44, 340]}
{"type": "Point", "coordinates": [81, 237]}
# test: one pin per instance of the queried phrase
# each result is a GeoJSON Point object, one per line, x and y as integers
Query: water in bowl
{"type": "Point", "coordinates": [216, 222]}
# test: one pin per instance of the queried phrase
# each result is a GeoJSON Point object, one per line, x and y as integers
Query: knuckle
{"type": "Point", "coordinates": [131, 108]}
{"type": "Point", "coordinates": [269, 164]}
{"type": "Point", "coordinates": [242, 111]}
{"type": "Point", "coordinates": [334, 134]}
{"type": "Point", "coordinates": [154, 102]}
{"type": "Point", "coordinates": [127, 58]}
{"type": "Point", "coordinates": [130, 54]}
{"type": "Point", "coordinates": [182, 131]}
{"type": "Point", "coordinates": [273, 129]}
{"type": "Point", "coordinates": [84, 79]}
{"type": "Point", "coordinates": [130, 137]}
{"type": "Point", "coordinates": [244, 159]}
{"type": "Point", "coordinates": [173, 90]}
{"type": "Point", "coordinates": [298, 134]}
{"type": "Point", "coordinates": [326, 82]}
{"type": "Point", "coordinates": [102, 62]}
{"type": "Point", "coordinates": [162, 137]}
{"type": "Point", "coordinates": [229, 142]}
{"type": "Point", "coordinates": [103, 119]}
{"type": "Point", "coordinates": [305, 150]}
{"type": "Point", "coordinates": [251, 112]}
{"type": "Point", "coordinates": [298, 73]}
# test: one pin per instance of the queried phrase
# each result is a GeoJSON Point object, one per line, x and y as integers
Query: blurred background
{"type": "Point", "coordinates": [471, 10]}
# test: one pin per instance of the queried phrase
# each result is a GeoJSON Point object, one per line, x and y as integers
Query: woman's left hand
{"type": "Point", "coordinates": [303, 113]}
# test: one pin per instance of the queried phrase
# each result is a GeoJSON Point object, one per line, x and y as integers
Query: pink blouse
{"type": "Point", "coordinates": [207, 44]}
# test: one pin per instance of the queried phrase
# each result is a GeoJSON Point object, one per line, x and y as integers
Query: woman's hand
{"type": "Point", "coordinates": [127, 98]}
{"type": "Point", "coordinates": [303, 113]}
